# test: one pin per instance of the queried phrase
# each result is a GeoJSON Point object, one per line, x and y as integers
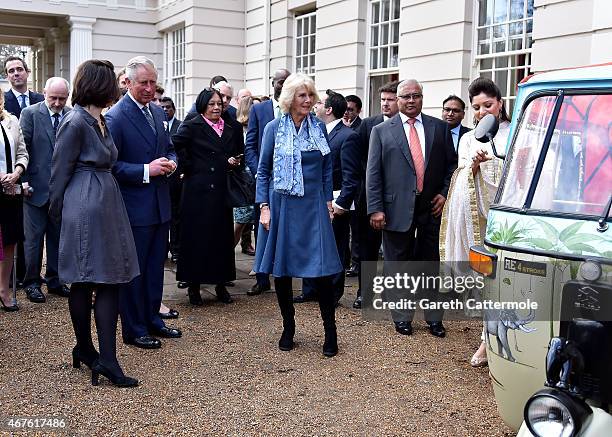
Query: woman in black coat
{"type": "Point", "coordinates": [209, 145]}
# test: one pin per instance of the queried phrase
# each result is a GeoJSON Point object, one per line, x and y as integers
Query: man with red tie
{"type": "Point", "coordinates": [410, 163]}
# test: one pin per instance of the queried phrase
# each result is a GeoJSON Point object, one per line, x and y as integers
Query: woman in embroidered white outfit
{"type": "Point", "coordinates": [474, 184]}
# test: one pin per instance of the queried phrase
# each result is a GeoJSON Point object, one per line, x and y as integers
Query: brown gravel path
{"type": "Point", "coordinates": [227, 377]}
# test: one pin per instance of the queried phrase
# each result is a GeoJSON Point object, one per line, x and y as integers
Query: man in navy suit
{"type": "Point", "coordinates": [259, 116]}
{"type": "Point", "coordinates": [369, 239]}
{"type": "Point", "coordinates": [16, 99]}
{"type": "Point", "coordinates": [146, 158]}
{"type": "Point", "coordinates": [453, 112]}
{"type": "Point", "coordinates": [346, 180]}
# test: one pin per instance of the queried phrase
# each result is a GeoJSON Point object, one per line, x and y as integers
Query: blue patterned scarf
{"type": "Point", "coordinates": [288, 177]}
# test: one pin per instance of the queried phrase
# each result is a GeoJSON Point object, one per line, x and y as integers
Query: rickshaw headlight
{"type": "Point", "coordinates": [554, 413]}
{"type": "Point", "coordinates": [590, 271]}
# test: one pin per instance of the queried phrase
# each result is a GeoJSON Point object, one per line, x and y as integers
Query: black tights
{"type": "Point", "coordinates": [106, 312]}
{"type": "Point", "coordinates": [284, 295]}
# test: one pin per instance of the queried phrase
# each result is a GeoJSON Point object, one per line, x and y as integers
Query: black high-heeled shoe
{"type": "Point", "coordinates": [78, 358]}
{"type": "Point", "coordinates": [9, 309]}
{"type": "Point", "coordinates": [117, 380]}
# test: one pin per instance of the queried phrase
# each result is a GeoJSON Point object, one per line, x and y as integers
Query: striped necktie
{"type": "Point", "coordinates": [149, 117]}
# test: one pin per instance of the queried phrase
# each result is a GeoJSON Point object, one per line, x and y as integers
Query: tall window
{"type": "Point", "coordinates": [175, 69]}
{"type": "Point", "coordinates": [384, 34]}
{"type": "Point", "coordinates": [305, 43]}
{"type": "Point", "coordinates": [504, 43]}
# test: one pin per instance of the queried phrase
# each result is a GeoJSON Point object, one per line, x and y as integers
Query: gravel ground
{"type": "Point", "coordinates": [226, 375]}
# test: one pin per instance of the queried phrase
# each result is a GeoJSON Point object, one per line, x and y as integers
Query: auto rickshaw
{"type": "Point", "coordinates": [548, 240]}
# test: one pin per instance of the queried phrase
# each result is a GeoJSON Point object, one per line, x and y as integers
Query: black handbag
{"type": "Point", "coordinates": [240, 188]}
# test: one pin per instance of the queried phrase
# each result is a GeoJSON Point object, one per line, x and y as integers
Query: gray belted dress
{"type": "Point", "coordinates": [96, 242]}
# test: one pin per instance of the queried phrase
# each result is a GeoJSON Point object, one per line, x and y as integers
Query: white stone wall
{"type": "Point", "coordinates": [571, 33]}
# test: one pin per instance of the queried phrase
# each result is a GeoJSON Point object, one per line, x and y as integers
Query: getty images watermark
{"type": "Point", "coordinates": [402, 283]}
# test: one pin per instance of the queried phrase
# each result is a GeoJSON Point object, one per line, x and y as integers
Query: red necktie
{"type": "Point", "coordinates": [417, 154]}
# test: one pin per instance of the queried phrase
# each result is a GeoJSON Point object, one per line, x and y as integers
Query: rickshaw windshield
{"type": "Point", "coordinates": [576, 175]}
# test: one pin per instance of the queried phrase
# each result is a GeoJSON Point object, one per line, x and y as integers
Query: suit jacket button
{"type": "Point", "coordinates": [212, 169]}
{"type": "Point", "coordinates": [212, 185]}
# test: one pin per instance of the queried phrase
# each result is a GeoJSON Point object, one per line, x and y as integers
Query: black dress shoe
{"type": "Point", "coordinates": [171, 314]}
{"type": "Point", "coordinates": [174, 258]}
{"type": "Point", "coordinates": [144, 342]}
{"type": "Point", "coordinates": [437, 329]}
{"type": "Point", "coordinates": [79, 357]}
{"type": "Point", "coordinates": [301, 298]}
{"type": "Point", "coordinates": [404, 328]}
{"type": "Point", "coordinates": [167, 332]}
{"type": "Point", "coordinates": [352, 271]}
{"type": "Point", "coordinates": [35, 294]}
{"type": "Point", "coordinates": [358, 302]}
{"type": "Point", "coordinates": [117, 380]}
{"type": "Point", "coordinates": [222, 294]}
{"type": "Point", "coordinates": [62, 290]}
{"type": "Point", "coordinates": [11, 308]}
{"type": "Point", "coordinates": [257, 289]}
{"type": "Point", "coordinates": [182, 284]}
{"type": "Point", "coordinates": [230, 284]}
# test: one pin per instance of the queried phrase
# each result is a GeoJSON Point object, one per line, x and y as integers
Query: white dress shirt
{"type": "Point", "coordinates": [18, 94]}
{"type": "Point", "coordinates": [455, 134]}
{"type": "Point", "coordinates": [276, 108]}
{"type": "Point", "coordinates": [51, 113]}
{"type": "Point", "coordinates": [332, 124]}
{"type": "Point", "coordinates": [418, 125]}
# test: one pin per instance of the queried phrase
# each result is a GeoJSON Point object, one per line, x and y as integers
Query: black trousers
{"type": "Point", "coordinates": [176, 189]}
{"type": "Point", "coordinates": [369, 241]}
{"type": "Point", "coordinates": [420, 243]}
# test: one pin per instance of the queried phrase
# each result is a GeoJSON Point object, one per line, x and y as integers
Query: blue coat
{"type": "Point", "coordinates": [146, 204]}
{"type": "Point", "coordinates": [300, 242]}
{"type": "Point", "coordinates": [260, 115]}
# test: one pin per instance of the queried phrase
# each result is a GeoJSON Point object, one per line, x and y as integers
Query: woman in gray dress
{"type": "Point", "coordinates": [96, 250]}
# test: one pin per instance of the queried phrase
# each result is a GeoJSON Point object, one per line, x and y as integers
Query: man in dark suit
{"type": "Point", "coordinates": [16, 99]}
{"type": "Point", "coordinates": [351, 116]}
{"type": "Point", "coordinates": [260, 115]}
{"type": "Point", "coordinates": [453, 112]}
{"type": "Point", "coordinates": [346, 180]}
{"type": "Point", "coordinates": [39, 123]}
{"type": "Point", "coordinates": [176, 183]}
{"type": "Point", "coordinates": [410, 164]}
{"type": "Point", "coordinates": [369, 239]}
{"type": "Point", "coordinates": [146, 158]}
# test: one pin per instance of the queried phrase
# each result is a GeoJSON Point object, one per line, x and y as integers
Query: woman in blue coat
{"type": "Point", "coordinates": [294, 191]}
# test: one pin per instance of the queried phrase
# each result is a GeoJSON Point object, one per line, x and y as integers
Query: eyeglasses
{"type": "Point", "coordinates": [413, 96]}
{"type": "Point", "coordinates": [452, 110]}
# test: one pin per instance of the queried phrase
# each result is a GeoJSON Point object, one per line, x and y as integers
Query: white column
{"type": "Point", "coordinates": [80, 41]}
{"type": "Point", "coordinates": [54, 36]}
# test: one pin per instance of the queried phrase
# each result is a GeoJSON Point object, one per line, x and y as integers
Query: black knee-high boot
{"type": "Point", "coordinates": [284, 295]}
{"type": "Point", "coordinates": [327, 305]}
{"type": "Point", "coordinates": [79, 304]}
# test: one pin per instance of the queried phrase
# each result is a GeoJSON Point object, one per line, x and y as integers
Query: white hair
{"type": "Point", "coordinates": [55, 79]}
{"type": "Point", "coordinates": [218, 86]}
{"type": "Point", "coordinates": [406, 82]}
{"type": "Point", "coordinates": [135, 63]}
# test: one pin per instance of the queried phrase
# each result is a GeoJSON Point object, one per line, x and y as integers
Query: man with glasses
{"type": "Point", "coordinates": [410, 164]}
{"type": "Point", "coordinates": [453, 112]}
